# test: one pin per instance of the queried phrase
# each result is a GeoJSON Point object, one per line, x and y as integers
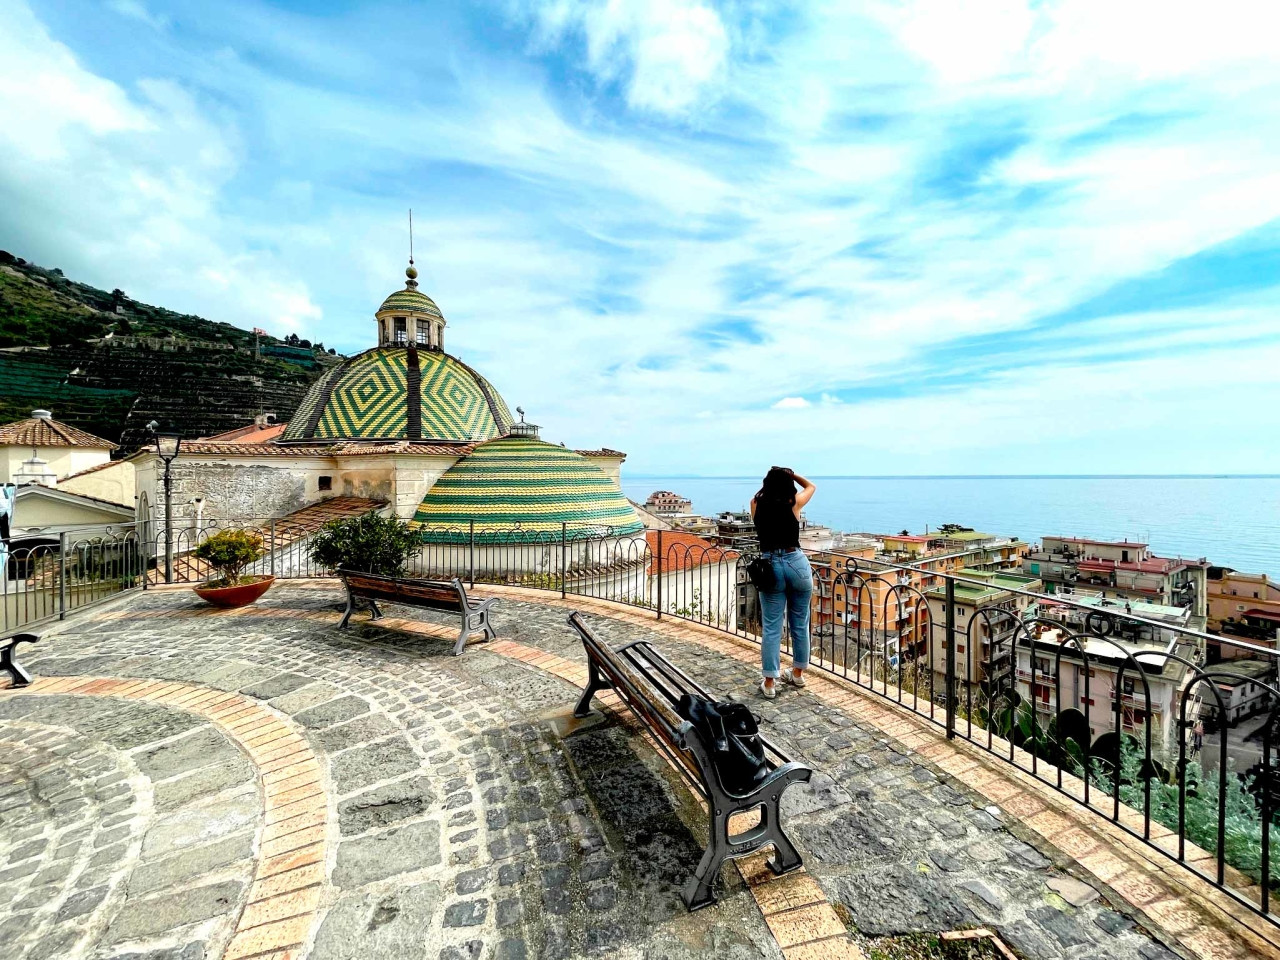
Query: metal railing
{"type": "Point", "coordinates": [1140, 759]}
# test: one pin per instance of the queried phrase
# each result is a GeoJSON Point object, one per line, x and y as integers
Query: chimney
{"type": "Point", "coordinates": [41, 415]}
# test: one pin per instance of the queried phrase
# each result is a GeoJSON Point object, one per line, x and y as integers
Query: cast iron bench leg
{"type": "Point", "coordinates": [351, 608]}
{"type": "Point", "coordinates": [373, 607]}
{"type": "Point", "coordinates": [595, 683]}
{"type": "Point", "coordinates": [786, 858]}
{"type": "Point", "coordinates": [698, 891]}
{"type": "Point", "coordinates": [9, 662]}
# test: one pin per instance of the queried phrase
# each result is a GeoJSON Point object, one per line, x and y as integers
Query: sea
{"type": "Point", "coordinates": [1233, 521]}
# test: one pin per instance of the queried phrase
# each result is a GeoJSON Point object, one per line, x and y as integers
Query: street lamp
{"type": "Point", "coordinates": [167, 444]}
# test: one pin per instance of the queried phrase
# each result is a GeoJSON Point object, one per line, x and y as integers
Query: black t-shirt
{"type": "Point", "coordinates": [777, 526]}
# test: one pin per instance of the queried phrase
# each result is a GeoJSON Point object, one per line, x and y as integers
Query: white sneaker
{"type": "Point", "coordinates": [795, 681]}
{"type": "Point", "coordinates": [768, 690]}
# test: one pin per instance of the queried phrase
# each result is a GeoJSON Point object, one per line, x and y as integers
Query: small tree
{"type": "Point", "coordinates": [366, 544]}
{"type": "Point", "coordinates": [229, 552]}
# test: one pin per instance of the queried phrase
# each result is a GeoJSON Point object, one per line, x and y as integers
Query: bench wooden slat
{"type": "Point", "coordinates": [416, 592]}
{"type": "Point", "coordinates": [650, 686]}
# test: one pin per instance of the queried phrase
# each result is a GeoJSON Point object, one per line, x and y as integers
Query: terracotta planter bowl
{"type": "Point", "coordinates": [240, 595]}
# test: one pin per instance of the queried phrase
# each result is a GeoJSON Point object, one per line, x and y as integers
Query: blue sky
{"type": "Point", "coordinates": [867, 237]}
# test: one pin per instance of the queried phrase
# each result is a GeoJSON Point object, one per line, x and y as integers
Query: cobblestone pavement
{"type": "Point", "coordinates": [461, 811]}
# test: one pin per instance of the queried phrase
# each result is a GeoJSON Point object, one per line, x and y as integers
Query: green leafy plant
{"type": "Point", "coordinates": [368, 544]}
{"type": "Point", "coordinates": [229, 552]}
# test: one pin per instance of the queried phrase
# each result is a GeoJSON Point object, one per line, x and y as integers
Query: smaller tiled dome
{"type": "Point", "coordinates": [411, 300]}
{"type": "Point", "coordinates": [520, 483]}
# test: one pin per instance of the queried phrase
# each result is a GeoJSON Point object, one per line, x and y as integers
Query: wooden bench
{"type": "Point", "coordinates": [430, 594]}
{"type": "Point", "coordinates": [651, 686]}
{"type": "Point", "coordinates": [9, 661]}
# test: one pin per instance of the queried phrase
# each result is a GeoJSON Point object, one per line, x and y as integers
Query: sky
{"type": "Point", "coordinates": [913, 237]}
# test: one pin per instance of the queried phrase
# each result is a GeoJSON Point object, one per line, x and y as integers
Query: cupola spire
{"type": "Point", "coordinates": [411, 272]}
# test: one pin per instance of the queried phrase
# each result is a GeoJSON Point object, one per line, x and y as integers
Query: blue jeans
{"type": "Point", "coordinates": [793, 578]}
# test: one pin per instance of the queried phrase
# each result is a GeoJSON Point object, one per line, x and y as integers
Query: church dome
{"type": "Point", "coordinates": [522, 483]}
{"type": "Point", "coordinates": [400, 393]}
{"type": "Point", "coordinates": [410, 300]}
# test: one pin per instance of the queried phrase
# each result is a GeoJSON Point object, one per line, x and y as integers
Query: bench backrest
{"type": "Point", "coordinates": [436, 593]}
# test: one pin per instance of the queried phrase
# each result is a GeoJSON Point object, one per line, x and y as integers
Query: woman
{"type": "Point", "coordinates": [776, 513]}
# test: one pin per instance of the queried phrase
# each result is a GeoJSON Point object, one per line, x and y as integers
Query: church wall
{"type": "Point", "coordinates": [414, 476]}
{"type": "Point", "coordinates": [612, 468]}
{"type": "Point", "coordinates": [236, 488]}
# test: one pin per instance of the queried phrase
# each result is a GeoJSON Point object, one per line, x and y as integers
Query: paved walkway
{"type": "Point", "coordinates": [186, 783]}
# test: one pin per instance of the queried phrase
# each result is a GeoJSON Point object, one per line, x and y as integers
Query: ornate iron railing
{"type": "Point", "coordinates": [1123, 713]}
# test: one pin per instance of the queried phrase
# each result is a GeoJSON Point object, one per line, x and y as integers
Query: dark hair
{"type": "Point", "coordinates": [779, 487]}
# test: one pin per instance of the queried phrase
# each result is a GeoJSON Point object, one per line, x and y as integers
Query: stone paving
{"type": "Point", "coordinates": [260, 784]}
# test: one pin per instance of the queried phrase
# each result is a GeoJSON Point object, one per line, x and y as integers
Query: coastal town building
{"type": "Point", "coordinates": [666, 504]}
{"type": "Point", "coordinates": [989, 607]}
{"type": "Point", "coordinates": [63, 479]}
{"type": "Point", "coordinates": [1109, 630]}
{"type": "Point", "coordinates": [1243, 605]}
{"type": "Point", "coordinates": [1120, 569]}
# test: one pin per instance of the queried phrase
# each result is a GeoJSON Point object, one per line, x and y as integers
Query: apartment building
{"type": "Point", "coordinates": [1243, 605]}
{"type": "Point", "coordinates": [1120, 569]}
{"type": "Point", "coordinates": [1093, 689]}
{"type": "Point", "coordinates": [988, 613]}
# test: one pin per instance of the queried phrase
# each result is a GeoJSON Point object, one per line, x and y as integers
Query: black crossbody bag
{"type": "Point", "coordinates": [760, 573]}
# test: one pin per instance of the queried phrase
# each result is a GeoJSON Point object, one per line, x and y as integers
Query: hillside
{"type": "Point", "coordinates": [109, 364]}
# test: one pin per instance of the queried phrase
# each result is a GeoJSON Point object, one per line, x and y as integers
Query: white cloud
{"type": "Point", "coordinates": [671, 51]}
{"type": "Point", "coordinates": [792, 403]}
{"type": "Point", "coordinates": [104, 182]}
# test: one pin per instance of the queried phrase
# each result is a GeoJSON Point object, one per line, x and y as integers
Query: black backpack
{"type": "Point", "coordinates": [731, 734]}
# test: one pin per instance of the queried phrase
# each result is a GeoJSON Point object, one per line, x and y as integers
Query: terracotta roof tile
{"type": "Point", "coordinates": [248, 434]}
{"type": "Point", "coordinates": [682, 551]}
{"type": "Point", "coordinates": [93, 469]}
{"type": "Point", "coordinates": [41, 432]}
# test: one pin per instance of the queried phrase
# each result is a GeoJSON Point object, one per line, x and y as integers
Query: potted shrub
{"type": "Point", "coordinates": [229, 552]}
{"type": "Point", "coordinates": [366, 544]}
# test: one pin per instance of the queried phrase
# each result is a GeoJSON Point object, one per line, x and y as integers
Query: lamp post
{"type": "Point", "coordinates": [167, 445]}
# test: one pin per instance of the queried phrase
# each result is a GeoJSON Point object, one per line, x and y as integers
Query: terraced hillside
{"type": "Point", "coordinates": [108, 364]}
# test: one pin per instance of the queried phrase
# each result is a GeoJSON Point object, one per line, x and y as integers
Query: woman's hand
{"type": "Point", "coordinates": [807, 490]}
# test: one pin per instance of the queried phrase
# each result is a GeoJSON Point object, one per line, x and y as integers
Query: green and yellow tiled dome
{"type": "Point", "coordinates": [395, 393]}
{"type": "Point", "coordinates": [519, 483]}
{"type": "Point", "coordinates": [410, 299]}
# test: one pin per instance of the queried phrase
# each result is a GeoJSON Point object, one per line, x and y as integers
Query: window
{"type": "Point", "coordinates": [326, 483]}
{"type": "Point", "coordinates": [422, 331]}
{"type": "Point", "coordinates": [401, 329]}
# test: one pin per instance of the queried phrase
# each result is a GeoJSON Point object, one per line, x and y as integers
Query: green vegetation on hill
{"type": "Point", "coordinates": [108, 364]}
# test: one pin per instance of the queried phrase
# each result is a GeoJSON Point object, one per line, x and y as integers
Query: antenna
{"type": "Point", "coordinates": [411, 235]}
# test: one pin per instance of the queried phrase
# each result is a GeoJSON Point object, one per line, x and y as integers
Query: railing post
{"type": "Point", "coordinates": [62, 575]}
{"type": "Point", "coordinates": [471, 553]}
{"type": "Point", "coordinates": [564, 540]}
{"type": "Point", "coordinates": [658, 567]}
{"type": "Point", "coordinates": [951, 658]}
{"type": "Point", "coordinates": [272, 554]}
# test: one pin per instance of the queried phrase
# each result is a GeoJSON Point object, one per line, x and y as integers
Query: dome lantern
{"type": "Point", "coordinates": [410, 317]}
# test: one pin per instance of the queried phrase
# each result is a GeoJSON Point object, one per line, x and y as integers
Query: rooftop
{"type": "Point", "coordinates": [41, 430]}
{"type": "Point", "coordinates": [258, 784]}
